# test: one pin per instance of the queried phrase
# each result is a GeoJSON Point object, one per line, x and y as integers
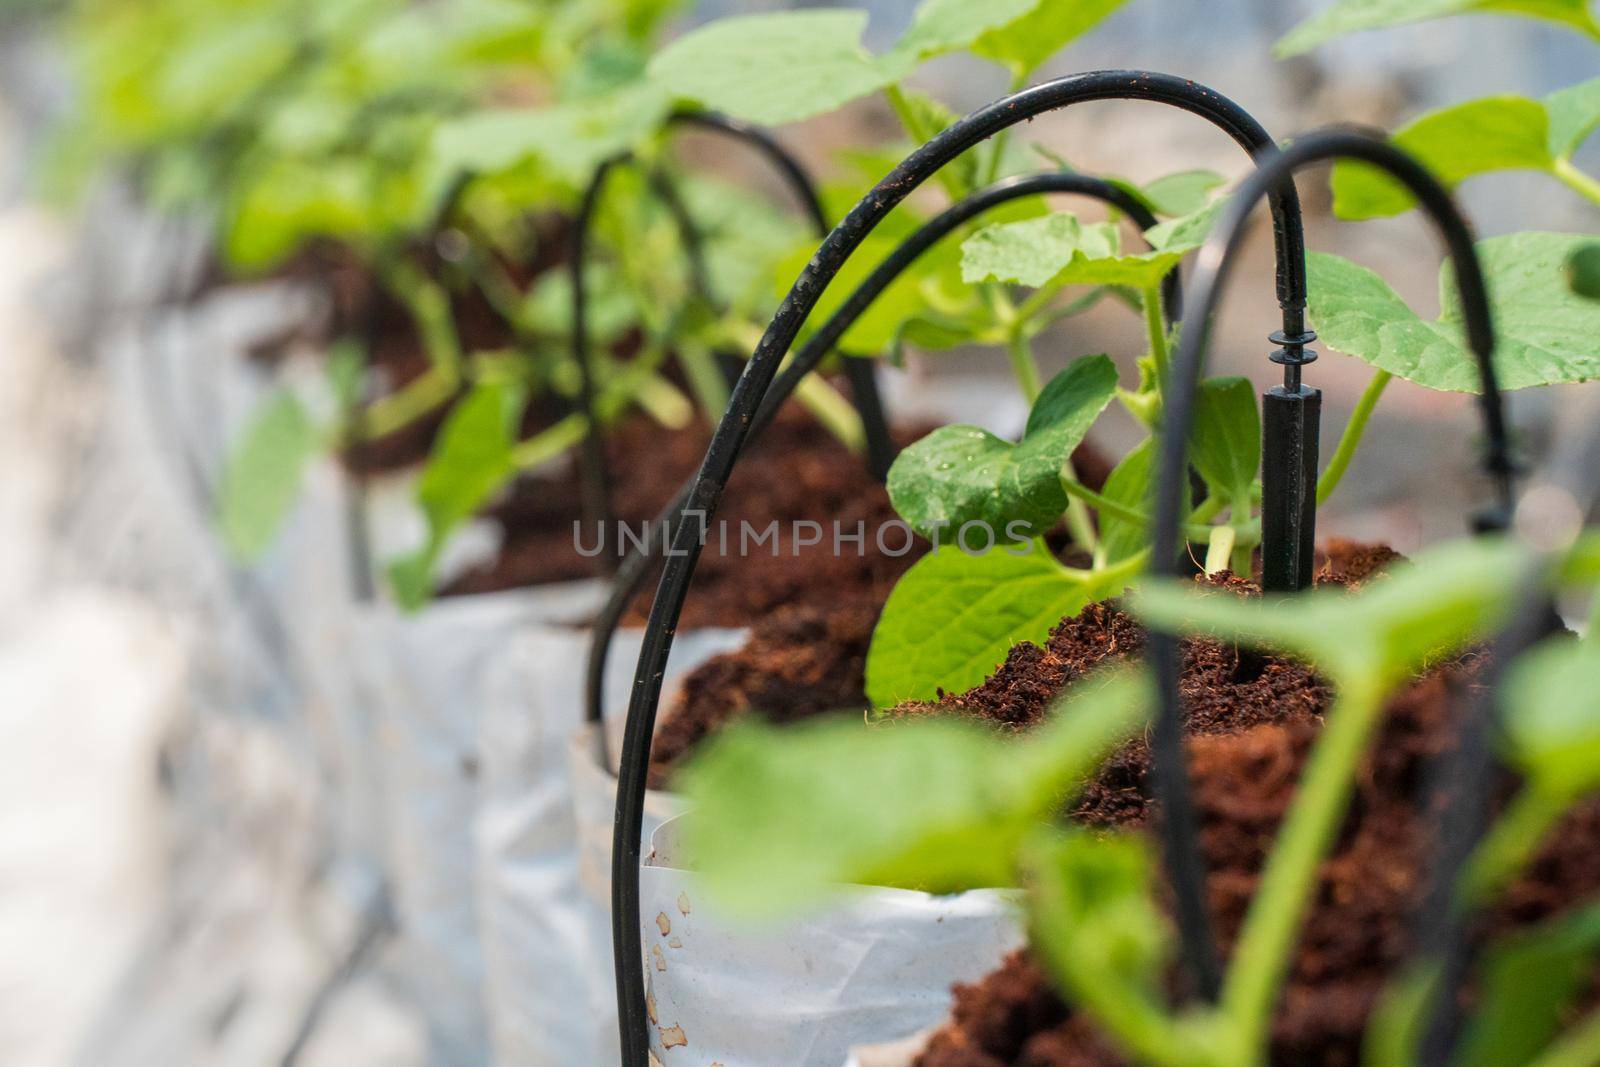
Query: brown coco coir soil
{"type": "Point", "coordinates": [1253, 720]}
{"type": "Point", "coordinates": [795, 471]}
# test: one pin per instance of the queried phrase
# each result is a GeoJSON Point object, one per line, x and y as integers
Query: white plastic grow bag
{"type": "Point", "coordinates": [424, 682]}
{"type": "Point", "coordinates": [543, 838]}
{"type": "Point", "coordinates": [868, 965]}
{"type": "Point", "coordinates": [890, 1054]}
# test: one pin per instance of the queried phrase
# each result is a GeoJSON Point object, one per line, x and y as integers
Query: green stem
{"type": "Point", "coordinates": [1511, 842]}
{"type": "Point", "coordinates": [1353, 431]}
{"type": "Point", "coordinates": [700, 367]}
{"type": "Point", "coordinates": [997, 147]}
{"type": "Point", "coordinates": [1271, 927]}
{"type": "Point", "coordinates": [429, 305]}
{"type": "Point", "coordinates": [1156, 328]}
{"type": "Point", "coordinates": [1022, 363]}
{"type": "Point", "coordinates": [1108, 508]}
{"type": "Point", "coordinates": [1583, 184]}
{"type": "Point", "coordinates": [421, 396]}
{"type": "Point", "coordinates": [549, 443]}
{"type": "Point", "coordinates": [1579, 1047]}
{"type": "Point", "coordinates": [906, 112]}
{"type": "Point", "coordinates": [837, 415]}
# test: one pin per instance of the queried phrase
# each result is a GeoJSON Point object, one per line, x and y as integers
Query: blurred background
{"type": "Point", "coordinates": [183, 879]}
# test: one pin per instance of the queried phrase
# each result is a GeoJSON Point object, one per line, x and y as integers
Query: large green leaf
{"type": "Point", "coordinates": [473, 458]}
{"type": "Point", "coordinates": [776, 67]}
{"type": "Point", "coordinates": [941, 26]}
{"type": "Point", "coordinates": [1422, 610]}
{"type": "Point", "coordinates": [1478, 137]}
{"type": "Point", "coordinates": [953, 617]}
{"type": "Point", "coordinates": [1025, 43]}
{"type": "Point", "coordinates": [1061, 249]}
{"type": "Point", "coordinates": [965, 474]}
{"type": "Point", "coordinates": [1348, 16]}
{"type": "Point", "coordinates": [263, 475]}
{"type": "Point", "coordinates": [1545, 331]}
{"type": "Point", "coordinates": [783, 815]}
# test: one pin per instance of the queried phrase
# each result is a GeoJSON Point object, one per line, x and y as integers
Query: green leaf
{"type": "Point", "coordinates": [1583, 271]}
{"type": "Point", "coordinates": [1574, 112]}
{"type": "Point", "coordinates": [1027, 42]}
{"type": "Point", "coordinates": [1349, 16]}
{"type": "Point", "coordinates": [1545, 331]}
{"type": "Point", "coordinates": [1478, 137]}
{"type": "Point", "coordinates": [1428, 608]}
{"type": "Point", "coordinates": [941, 26]}
{"type": "Point", "coordinates": [1495, 133]}
{"type": "Point", "coordinates": [1552, 715]}
{"type": "Point", "coordinates": [1182, 193]}
{"type": "Point", "coordinates": [953, 617]}
{"type": "Point", "coordinates": [1530, 981]}
{"type": "Point", "coordinates": [782, 816]}
{"type": "Point", "coordinates": [567, 140]}
{"type": "Point", "coordinates": [1094, 911]}
{"type": "Point", "coordinates": [1130, 483]}
{"type": "Point", "coordinates": [1226, 444]}
{"type": "Point", "coordinates": [473, 457]}
{"type": "Point", "coordinates": [1059, 249]}
{"type": "Point", "coordinates": [773, 68]}
{"type": "Point", "coordinates": [262, 477]}
{"type": "Point", "coordinates": [964, 474]}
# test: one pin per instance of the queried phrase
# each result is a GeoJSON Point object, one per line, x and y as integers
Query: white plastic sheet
{"type": "Point", "coordinates": [865, 967]}
{"type": "Point", "coordinates": [543, 838]}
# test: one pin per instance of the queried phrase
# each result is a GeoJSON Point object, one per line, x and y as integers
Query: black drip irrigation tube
{"type": "Point", "coordinates": [635, 568]}
{"type": "Point", "coordinates": [1182, 854]}
{"type": "Point", "coordinates": [757, 378]}
{"type": "Point", "coordinates": [860, 373]}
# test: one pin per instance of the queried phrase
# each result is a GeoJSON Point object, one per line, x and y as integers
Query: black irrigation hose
{"type": "Point", "coordinates": [1185, 868]}
{"type": "Point", "coordinates": [757, 379]}
{"type": "Point", "coordinates": [631, 575]}
{"type": "Point", "coordinates": [860, 373]}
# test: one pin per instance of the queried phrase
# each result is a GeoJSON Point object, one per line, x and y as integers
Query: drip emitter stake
{"type": "Point", "coordinates": [859, 372]}
{"type": "Point", "coordinates": [753, 386]}
{"type": "Point", "coordinates": [1186, 869]}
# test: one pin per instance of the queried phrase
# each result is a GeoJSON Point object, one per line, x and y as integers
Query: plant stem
{"type": "Point", "coordinates": [1579, 1047]}
{"type": "Point", "coordinates": [1575, 179]}
{"type": "Point", "coordinates": [700, 367]}
{"type": "Point", "coordinates": [1266, 941]}
{"type": "Point", "coordinates": [1353, 431]}
{"type": "Point", "coordinates": [837, 415]}
{"type": "Point", "coordinates": [1108, 508]}
{"type": "Point", "coordinates": [549, 443]}
{"type": "Point", "coordinates": [1219, 549]}
{"type": "Point", "coordinates": [425, 393]}
{"type": "Point", "coordinates": [1156, 327]}
{"type": "Point", "coordinates": [1022, 363]}
{"type": "Point", "coordinates": [1511, 842]}
{"type": "Point", "coordinates": [997, 150]}
{"type": "Point", "coordinates": [429, 305]}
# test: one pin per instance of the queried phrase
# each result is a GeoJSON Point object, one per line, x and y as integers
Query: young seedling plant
{"type": "Point", "coordinates": [782, 817]}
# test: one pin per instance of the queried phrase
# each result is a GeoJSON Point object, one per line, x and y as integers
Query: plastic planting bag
{"type": "Point", "coordinates": [865, 967]}
{"type": "Point", "coordinates": [543, 839]}
{"type": "Point", "coordinates": [892, 1054]}
{"type": "Point", "coordinates": [424, 682]}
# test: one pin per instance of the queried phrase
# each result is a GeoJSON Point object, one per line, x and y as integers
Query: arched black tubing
{"type": "Point", "coordinates": [757, 378]}
{"type": "Point", "coordinates": [631, 575]}
{"type": "Point", "coordinates": [1184, 865]}
{"type": "Point", "coordinates": [596, 480]}
{"type": "Point", "coordinates": [860, 373]}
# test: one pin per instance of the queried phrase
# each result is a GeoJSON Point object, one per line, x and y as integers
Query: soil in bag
{"type": "Point", "coordinates": [1253, 720]}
